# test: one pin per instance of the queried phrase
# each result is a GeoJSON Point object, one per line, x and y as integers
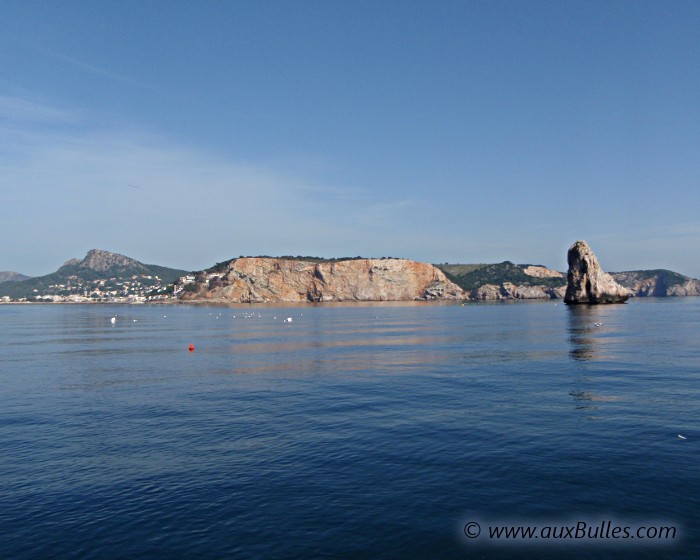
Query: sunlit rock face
{"type": "Point", "coordinates": [658, 283]}
{"type": "Point", "coordinates": [586, 280]}
{"type": "Point", "coordinates": [250, 280]}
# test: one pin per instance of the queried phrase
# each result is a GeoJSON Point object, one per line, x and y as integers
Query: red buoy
{"type": "Point", "coordinates": [191, 347]}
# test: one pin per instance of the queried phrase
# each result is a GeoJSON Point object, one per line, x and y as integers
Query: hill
{"type": "Point", "coordinates": [472, 277]}
{"type": "Point", "coordinates": [13, 277]}
{"type": "Point", "coordinates": [658, 283]}
{"type": "Point", "coordinates": [100, 276]}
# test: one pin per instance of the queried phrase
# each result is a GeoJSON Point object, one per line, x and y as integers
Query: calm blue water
{"type": "Point", "coordinates": [352, 432]}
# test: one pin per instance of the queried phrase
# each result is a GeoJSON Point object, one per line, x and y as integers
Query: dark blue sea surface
{"type": "Point", "coordinates": [373, 431]}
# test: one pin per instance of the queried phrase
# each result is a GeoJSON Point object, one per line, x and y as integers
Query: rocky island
{"type": "Point", "coordinates": [586, 280]}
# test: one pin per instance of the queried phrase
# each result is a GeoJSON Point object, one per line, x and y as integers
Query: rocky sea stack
{"type": "Point", "coordinates": [586, 281]}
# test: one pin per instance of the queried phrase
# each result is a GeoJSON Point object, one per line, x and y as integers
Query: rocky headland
{"type": "Point", "coordinates": [586, 280]}
{"type": "Point", "coordinates": [266, 279]}
{"type": "Point", "coordinates": [658, 283]}
{"type": "Point", "coordinates": [506, 281]}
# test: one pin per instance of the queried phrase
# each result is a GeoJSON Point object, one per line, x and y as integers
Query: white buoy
{"type": "Point", "coordinates": [289, 319]}
{"type": "Point", "coordinates": [113, 320]}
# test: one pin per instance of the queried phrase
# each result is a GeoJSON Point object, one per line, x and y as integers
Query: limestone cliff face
{"type": "Point", "coordinates": [586, 281]}
{"type": "Point", "coordinates": [658, 283]}
{"type": "Point", "coordinates": [256, 280]}
{"type": "Point", "coordinates": [542, 272]}
{"type": "Point", "coordinates": [508, 290]}
{"type": "Point", "coordinates": [690, 287]}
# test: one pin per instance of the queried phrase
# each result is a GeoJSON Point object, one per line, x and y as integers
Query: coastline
{"type": "Point", "coordinates": [348, 303]}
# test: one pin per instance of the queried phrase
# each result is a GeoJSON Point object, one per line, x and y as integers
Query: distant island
{"type": "Point", "coordinates": [105, 277]}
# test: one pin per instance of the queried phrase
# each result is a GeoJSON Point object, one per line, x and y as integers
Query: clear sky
{"type": "Point", "coordinates": [186, 133]}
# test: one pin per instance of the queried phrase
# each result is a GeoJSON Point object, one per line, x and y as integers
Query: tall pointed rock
{"type": "Point", "coordinates": [586, 281]}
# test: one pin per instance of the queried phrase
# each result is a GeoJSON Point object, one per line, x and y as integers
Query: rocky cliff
{"type": "Point", "coordinates": [586, 280]}
{"type": "Point", "coordinates": [264, 279]}
{"type": "Point", "coordinates": [658, 283]}
{"type": "Point", "coordinates": [508, 290]}
{"type": "Point", "coordinates": [537, 271]}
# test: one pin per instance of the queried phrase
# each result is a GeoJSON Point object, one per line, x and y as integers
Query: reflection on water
{"type": "Point", "coordinates": [367, 431]}
{"type": "Point", "coordinates": [593, 330]}
{"type": "Point", "coordinates": [584, 321]}
{"type": "Point", "coordinates": [593, 334]}
{"type": "Point", "coordinates": [587, 399]}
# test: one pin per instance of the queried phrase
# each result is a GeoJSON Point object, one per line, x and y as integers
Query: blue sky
{"type": "Point", "coordinates": [186, 133]}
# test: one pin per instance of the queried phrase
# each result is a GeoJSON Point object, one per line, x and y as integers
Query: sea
{"type": "Point", "coordinates": [407, 431]}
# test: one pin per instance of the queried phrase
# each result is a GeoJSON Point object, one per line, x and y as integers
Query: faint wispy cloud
{"type": "Point", "coordinates": [23, 110]}
{"type": "Point", "coordinates": [662, 234]}
{"type": "Point", "coordinates": [67, 189]}
{"type": "Point", "coordinates": [91, 68]}
{"type": "Point", "coordinates": [685, 230]}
